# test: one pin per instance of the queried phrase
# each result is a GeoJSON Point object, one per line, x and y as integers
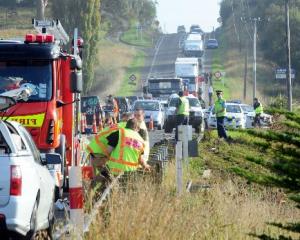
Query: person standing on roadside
{"type": "Point", "coordinates": [220, 111]}
{"type": "Point", "coordinates": [143, 131]}
{"type": "Point", "coordinates": [182, 112]}
{"type": "Point", "coordinates": [258, 108]}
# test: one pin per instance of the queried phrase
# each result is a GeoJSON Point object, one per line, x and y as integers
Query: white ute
{"type": "Point", "coordinates": [26, 186]}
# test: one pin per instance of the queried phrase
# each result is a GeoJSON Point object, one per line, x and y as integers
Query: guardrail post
{"type": "Point", "coordinates": [179, 173]}
{"type": "Point", "coordinates": [76, 198]}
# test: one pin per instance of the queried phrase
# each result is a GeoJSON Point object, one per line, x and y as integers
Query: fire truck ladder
{"type": "Point", "coordinates": [53, 27]}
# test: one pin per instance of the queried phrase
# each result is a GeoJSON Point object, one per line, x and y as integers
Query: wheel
{"type": "Point", "coordinates": [159, 127]}
{"type": "Point", "coordinates": [168, 128]}
{"type": "Point", "coordinates": [62, 151]}
{"type": "Point", "coordinates": [33, 223]}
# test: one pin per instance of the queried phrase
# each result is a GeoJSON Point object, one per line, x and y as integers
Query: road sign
{"type": "Point", "coordinates": [132, 77]}
{"type": "Point", "coordinates": [218, 74]}
{"type": "Point", "coordinates": [281, 73]}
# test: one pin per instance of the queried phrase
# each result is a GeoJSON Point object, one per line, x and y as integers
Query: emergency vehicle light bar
{"type": "Point", "coordinates": [53, 27]}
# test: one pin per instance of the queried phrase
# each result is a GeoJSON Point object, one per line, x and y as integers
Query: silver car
{"type": "Point", "coordinates": [154, 109]}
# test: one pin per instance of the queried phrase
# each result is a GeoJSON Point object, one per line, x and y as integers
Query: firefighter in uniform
{"type": "Point", "coordinates": [126, 148]}
{"type": "Point", "coordinates": [220, 111]}
{"type": "Point", "coordinates": [182, 112]}
{"type": "Point", "coordinates": [258, 108]}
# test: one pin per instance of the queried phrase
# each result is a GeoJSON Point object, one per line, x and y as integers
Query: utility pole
{"type": "Point", "coordinates": [288, 52]}
{"type": "Point", "coordinates": [246, 69]}
{"type": "Point", "coordinates": [254, 57]}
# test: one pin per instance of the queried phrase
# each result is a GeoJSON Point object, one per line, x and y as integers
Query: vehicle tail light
{"type": "Point", "coordinates": [29, 38]}
{"type": "Point", "coordinates": [49, 38]}
{"type": "Point", "coordinates": [15, 181]}
{"type": "Point", "coordinates": [40, 38]}
{"type": "Point", "coordinates": [50, 138]}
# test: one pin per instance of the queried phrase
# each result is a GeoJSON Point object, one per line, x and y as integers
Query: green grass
{"type": "Point", "coordinates": [137, 38]}
{"type": "Point", "coordinates": [127, 88]}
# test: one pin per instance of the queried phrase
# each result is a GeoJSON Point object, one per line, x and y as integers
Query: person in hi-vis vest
{"type": "Point", "coordinates": [182, 112]}
{"type": "Point", "coordinates": [220, 111]}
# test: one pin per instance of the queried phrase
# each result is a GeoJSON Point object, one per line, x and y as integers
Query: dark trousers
{"type": "Point", "coordinates": [257, 120]}
{"type": "Point", "coordinates": [180, 120]}
{"type": "Point", "coordinates": [221, 129]}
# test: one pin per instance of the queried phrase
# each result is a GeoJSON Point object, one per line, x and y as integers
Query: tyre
{"type": "Point", "coordinates": [51, 220]}
{"type": "Point", "coordinates": [33, 223]}
{"type": "Point", "coordinates": [159, 127]}
{"type": "Point", "coordinates": [168, 128]}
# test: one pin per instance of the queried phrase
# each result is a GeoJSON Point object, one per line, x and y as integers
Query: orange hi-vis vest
{"type": "Point", "coordinates": [125, 157]}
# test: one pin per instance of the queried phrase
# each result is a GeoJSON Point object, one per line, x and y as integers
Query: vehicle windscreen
{"type": "Point", "coordinates": [194, 102]}
{"type": "Point", "coordinates": [147, 106]}
{"type": "Point", "coordinates": [165, 86]}
{"type": "Point", "coordinates": [36, 74]}
{"type": "Point", "coordinates": [212, 41]}
{"type": "Point", "coordinates": [247, 108]}
{"type": "Point", "coordinates": [233, 108]}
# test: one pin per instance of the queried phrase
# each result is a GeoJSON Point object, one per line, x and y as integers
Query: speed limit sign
{"type": "Point", "coordinates": [218, 74]}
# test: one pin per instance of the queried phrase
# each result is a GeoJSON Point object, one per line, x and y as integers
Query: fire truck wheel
{"type": "Point", "coordinates": [62, 151]}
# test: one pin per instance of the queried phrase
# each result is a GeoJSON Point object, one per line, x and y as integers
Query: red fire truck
{"type": "Point", "coordinates": [40, 62]}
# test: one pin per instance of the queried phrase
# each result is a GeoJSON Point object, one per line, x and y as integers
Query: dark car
{"type": "Point", "coordinates": [123, 103]}
{"type": "Point", "coordinates": [196, 29]}
{"type": "Point", "coordinates": [212, 44]}
{"type": "Point", "coordinates": [90, 106]}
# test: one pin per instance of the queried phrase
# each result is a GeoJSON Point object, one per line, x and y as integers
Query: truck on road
{"type": "Point", "coordinates": [51, 114]}
{"type": "Point", "coordinates": [188, 70]}
{"type": "Point", "coordinates": [163, 87]}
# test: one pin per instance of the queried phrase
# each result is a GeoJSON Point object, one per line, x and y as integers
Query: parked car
{"type": "Point", "coordinates": [26, 185]}
{"type": "Point", "coordinates": [123, 103]}
{"type": "Point", "coordinates": [212, 44]}
{"type": "Point", "coordinates": [234, 118]}
{"type": "Point", "coordinates": [132, 99]}
{"type": "Point", "coordinates": [152, 108]}
{"type": "Point", "coordinates": [196, 118]}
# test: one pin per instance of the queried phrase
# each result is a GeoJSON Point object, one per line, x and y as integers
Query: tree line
{"type": "Point", "coordinates": [238, 15]}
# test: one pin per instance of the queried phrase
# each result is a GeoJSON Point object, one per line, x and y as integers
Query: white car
{"type": "Point", "coordinates": [154, 109]}
{"type": "Point", "coordinates": [265, 120]}
{"type": "Point", "coordinates": [235, 117]}
{"type": "Point", "coordinates": [26, 186]}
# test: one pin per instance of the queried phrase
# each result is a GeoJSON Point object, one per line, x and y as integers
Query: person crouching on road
{"type": "Point", "coordinates": [258, 108]}
{"type": "Point", "coordinates": [220, 111]}
{"type": "Point", "coordinates": [139, 114]}
{"type": "Point", "coordinates": [182, 112]}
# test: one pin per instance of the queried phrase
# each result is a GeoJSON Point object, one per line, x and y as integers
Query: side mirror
{"type": "Point", "coordinates": [76, 82]}
{"type": "Point", "coordinates": [53, 158]}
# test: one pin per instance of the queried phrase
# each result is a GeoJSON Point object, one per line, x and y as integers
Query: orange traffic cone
{"type": "Point", "coordinates": [100, 123]}
{"type": "Point", "coordinates": [94, 128]}
{"type": "Point", "coordinates": [151, 124]}
{"type": "Point", "coordinates": [82, 122]}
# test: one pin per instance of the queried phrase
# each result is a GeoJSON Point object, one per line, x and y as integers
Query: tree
{"type": "Point", "coordinates": [85, 15]}
{"type": "Point", "coordinates": [40, 8]}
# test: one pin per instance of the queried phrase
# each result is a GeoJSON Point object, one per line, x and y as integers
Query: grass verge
{"type": "Point", "coordinates": [127, 87]}
{"type": "Point", "coordinates": [138, 37]}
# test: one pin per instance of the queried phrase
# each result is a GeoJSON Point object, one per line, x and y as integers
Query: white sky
{"type": "Point", "coordinates": [171, 13]}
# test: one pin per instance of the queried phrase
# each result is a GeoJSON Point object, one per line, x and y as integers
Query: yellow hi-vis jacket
{"type": "Point", "coordinates": [184, 107]}
{"type": "Point", "coordinates": [125, 156]}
